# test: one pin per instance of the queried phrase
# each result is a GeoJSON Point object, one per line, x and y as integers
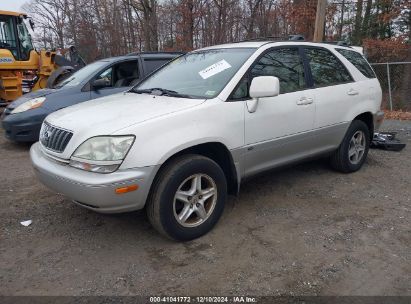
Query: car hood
{"type": "Point", "coordinates": [104, 116]}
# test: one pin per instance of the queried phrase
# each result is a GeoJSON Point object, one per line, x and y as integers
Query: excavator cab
{"type": "Point", "coordinates": [22, 68]}
{"type": "Point", "coordinates": [14, 35]}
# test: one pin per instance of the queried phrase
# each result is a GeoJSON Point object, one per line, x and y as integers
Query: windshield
{"type": "Point", "coordinates": [7, 35]}
{"type": "Point", "coordinates": [25, 40]}
{"type": "Point", "coordinates": [201, 74]}
{"type": "Point", "coordinates": [82, 75]}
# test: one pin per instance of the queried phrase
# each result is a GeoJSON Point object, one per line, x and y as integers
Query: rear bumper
{"type": "Point", "coordinates": [93, 190]}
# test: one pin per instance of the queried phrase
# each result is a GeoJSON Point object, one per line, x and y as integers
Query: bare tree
{"type": "Point", "coordinates": [146, 11]}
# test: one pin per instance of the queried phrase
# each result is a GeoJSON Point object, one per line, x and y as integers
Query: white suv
{"type": "Point", "coordinates": [184, 138]}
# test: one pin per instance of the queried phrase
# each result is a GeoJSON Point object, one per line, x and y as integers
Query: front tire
{"type": "Point", "coordinates": [353, 151]}
{"type": "Point", "coordinates": [187, 198]}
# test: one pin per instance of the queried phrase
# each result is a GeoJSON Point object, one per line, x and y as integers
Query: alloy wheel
{"type": "Point", "coordinates": [195, 200]}
{"type": "Point", "coordinates": [356, 148]}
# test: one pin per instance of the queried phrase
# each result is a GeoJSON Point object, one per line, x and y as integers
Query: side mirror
{"type": "Point", "coordinates": [100, 83]}
{"type": "Point", "coordinates": [265, 86]}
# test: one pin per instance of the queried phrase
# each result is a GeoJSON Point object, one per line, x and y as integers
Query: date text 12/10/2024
{"type": "Point", "coordinates": [175, 299]}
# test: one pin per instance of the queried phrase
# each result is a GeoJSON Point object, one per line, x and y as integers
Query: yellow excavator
{"type": "Point", "coordinates": [22, 68]}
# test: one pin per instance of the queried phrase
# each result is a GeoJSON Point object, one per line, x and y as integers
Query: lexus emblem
{"type": "Point", "coordinates": [46, 136]}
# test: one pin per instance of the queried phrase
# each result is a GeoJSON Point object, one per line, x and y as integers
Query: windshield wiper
{"type": "Point", "coordinates": [161, 92]}
{"type": "Point", "coordinates": [141, 91]}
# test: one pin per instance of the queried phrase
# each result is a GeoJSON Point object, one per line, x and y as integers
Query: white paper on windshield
{"type": "Point", "coordinates": [214, 69]}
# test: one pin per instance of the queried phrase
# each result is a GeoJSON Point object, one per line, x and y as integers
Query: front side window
{"type": "Point", "coordinates": [202, 74]}
{"type": "Point", "coordinates": [358, 61]}
{"type": "Point", "coordinates": [122, 74]}
{"type": "Point", "coordinates": [286, 64]}
{"type": "Point", "coordinates": [125, 74]}
{"type": "Point", "coordinates": [326, 69]}
{"type": "Point", "coordinates": [107, 76]}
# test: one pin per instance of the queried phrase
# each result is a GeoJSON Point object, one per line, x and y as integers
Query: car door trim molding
{"type": "Point", "coordinates": [290, 148]}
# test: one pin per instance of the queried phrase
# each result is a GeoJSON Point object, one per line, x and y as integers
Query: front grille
{"type": "Point", "coordinates": [54, 138]}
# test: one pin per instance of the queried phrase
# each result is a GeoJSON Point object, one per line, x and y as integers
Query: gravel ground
{"type": "Point", "coordinates": [304, 230]}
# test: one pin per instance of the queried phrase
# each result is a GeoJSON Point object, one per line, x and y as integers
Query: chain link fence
{"type": "Point", "coordinates": [395, 80]}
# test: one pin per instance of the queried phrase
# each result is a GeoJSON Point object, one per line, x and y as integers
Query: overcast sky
{"type": "Point", "coordinates": [11, 5]}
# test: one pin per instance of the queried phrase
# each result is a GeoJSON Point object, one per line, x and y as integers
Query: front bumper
{"type": "Point", "coordinates": [94, 191]}
{"type": "Point", "coordinates": [23, 127]}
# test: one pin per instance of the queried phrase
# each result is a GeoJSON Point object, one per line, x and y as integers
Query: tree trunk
{"type": "Point", "coordinates": [357, 37]}
{"type": "Point", "coordinates": [366, 21]}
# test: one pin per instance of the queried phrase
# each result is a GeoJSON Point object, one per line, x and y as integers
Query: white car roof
{"type": "Point", "coordinates": [258, 44]}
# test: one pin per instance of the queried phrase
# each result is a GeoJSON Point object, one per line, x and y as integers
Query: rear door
{"type": "Point", "coordinates": [334, 88]}
{"type": "Point", "coordinates": [335, 93]}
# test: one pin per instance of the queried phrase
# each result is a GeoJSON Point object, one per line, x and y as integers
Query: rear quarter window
{"type": "Point", "coordinates": [358, 61]}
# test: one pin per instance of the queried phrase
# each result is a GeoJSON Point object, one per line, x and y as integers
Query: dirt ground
{"type": "Point", "coordinates": [304, 230]}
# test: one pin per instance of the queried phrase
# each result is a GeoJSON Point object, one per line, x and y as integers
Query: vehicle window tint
{"type": "Point", "coordinates": [286, 64]}
{"type": "Point", "coordinates": [151, 65]}
{"type": "Point", "coordinates": [326, 69]}
{"type": "Point", "coordinates": [358, 61]}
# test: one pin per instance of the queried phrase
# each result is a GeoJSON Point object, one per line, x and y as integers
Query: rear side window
{"type": "Point", "coordinates": [358, 61]}
{"type": "Point", "coordinates": [326, 69]}
{"type": "Point", "coordinates": [151, 65]}
{"type": "Point", "coordinates": [284, 63]}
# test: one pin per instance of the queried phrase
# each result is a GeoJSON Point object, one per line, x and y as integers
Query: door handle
{"type": "Point", "coordinates": [352, 92]}
{"type": "Point", "coordinates": [305, 101]}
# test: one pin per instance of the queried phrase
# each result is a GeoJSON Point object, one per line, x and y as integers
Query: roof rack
{"type": "Point", "coordinates": [272, 38]}
{"type": "Point", "coordinates": [339, 43]}
{"type": "Point", "coordinates": [154, 53]}
{"type": "Point", "coordinates": [295, 37]}
{"type": "Point", "coordinates": [276, 38]}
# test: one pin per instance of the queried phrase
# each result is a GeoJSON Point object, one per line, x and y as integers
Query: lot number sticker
{"type": "Point", "coordinates": [214, 69]}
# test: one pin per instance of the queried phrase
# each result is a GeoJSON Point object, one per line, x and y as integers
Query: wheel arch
{"type": "Point", "coordinates": [219, 153]}
{"type": "Point", "coordinates": [368, 119]}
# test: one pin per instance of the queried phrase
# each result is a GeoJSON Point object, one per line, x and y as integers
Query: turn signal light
{"type": "Point", "coordinates": [123, 190]}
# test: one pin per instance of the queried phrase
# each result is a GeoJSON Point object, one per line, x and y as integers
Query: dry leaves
{"type": "Point", "coordinates": [398, 115]}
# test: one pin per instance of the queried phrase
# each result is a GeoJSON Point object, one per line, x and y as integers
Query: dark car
{"type": "Point", "coordinates": [22, 118]}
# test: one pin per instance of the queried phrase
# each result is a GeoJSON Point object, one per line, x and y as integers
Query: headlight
{"type": "Point", "coordinates": [28, 105]}
{"type": "Point", "coordinates": [102, 154]}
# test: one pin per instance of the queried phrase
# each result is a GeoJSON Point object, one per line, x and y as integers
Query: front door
{"type": "Point", "coordinates": [279, 130]}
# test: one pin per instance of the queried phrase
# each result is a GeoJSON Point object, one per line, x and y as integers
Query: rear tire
{"type": "Point", "coordinates": [187, 198]}
{"type": "Point", "coordinates": [353, 151]}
